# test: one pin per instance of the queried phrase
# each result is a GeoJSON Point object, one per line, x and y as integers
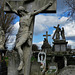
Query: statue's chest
{"type": "Point", "coordinates": [25, 18]}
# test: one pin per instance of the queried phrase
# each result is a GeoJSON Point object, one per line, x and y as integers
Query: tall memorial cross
{"type": "Point", "coordinates": [30, 6]}
{"type": "Point", "coordinates": [47, 35]}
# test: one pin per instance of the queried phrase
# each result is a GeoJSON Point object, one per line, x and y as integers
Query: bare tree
{"type": "Point", "coordinates": [71, 9]}
{"type": "Point", "coordinates": [5, 19]}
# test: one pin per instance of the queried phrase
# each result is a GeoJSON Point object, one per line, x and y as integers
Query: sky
{"type": "Point", "coordinates": [45, 22]}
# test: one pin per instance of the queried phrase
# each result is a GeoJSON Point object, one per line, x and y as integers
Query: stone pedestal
{"type": "Point", "coordinates": [12, 63]}
{"type": "Point", "coordinates": [35, 68]}
{"type": "Point", "coordinates": [60, 45]}
{"type": "Point", "coordinates": [52, 69]}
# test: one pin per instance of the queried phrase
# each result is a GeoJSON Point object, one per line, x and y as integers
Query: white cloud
{"type": "Point", "coordinates": [72, 43]}
{"type": "Point", "coordinates": [39, 44]}
{"type": "Point", "coordinates": [12, 37]}
{"type": "Point", "coordinates": [43, 22]}
{"type": "Point", "coordinates": [69, 29]}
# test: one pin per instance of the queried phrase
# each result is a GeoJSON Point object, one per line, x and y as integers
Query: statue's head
{"type": "Point", "coordinates": [21, 9]}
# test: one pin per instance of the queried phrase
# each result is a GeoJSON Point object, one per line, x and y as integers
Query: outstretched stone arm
{"type": "Point", "coordinates": [11, 9]}
{"type": "Point", "coordinates": [43, 8]}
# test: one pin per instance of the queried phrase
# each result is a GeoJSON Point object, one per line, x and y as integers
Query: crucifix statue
{"type": "Point", "coordinates": [47, 35]}
{"type": "Point", "coordinates": [24, 37]}
{"type": "Point", "coordinates": [24, 32]}
{"type": "Point", "coordinates": [57, 33]}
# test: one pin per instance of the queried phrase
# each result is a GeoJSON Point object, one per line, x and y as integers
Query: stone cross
{"type": "Point", "coordinates": [57, 33]}
{"type": "Point", "coordinates": [47, 35]}
{"type": "Point", "coordinates": [30, 6]}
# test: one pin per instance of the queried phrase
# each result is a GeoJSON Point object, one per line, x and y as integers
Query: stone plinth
{"type": "Point", "coordinates": [35, 68]}
{"type": "Point", "coordinates": [52, 69]}
{"type": "Point", "coordinates": [12, 63]}
{"type": "Point", "coordinates": [60, 45]}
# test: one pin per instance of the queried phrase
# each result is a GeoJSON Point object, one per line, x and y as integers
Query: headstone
{"type": "Point", "coordinates": [46, 47]}
{"type": "Point", "coordinates": [60, 46]}
{"type": "Point", "coordinates": [35, 68]}
{"type": "Point", "coordinates": [42, 60]}
{"type": "Point", "coordinates": [13, 62]}
{"type": "Point", "coordinates": [52, 69]}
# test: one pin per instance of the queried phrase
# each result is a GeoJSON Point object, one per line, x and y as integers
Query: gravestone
{"type": "Point", "coordinates": [60, 46]}
{"type": "Point", "coordinates": [46, 47]}
{"type": "Point", "coordinates": [13, 62]}
{"type": "Point", "coordinates": [52, 69]}
{"type": "Point", "coordinates": [35, 68]}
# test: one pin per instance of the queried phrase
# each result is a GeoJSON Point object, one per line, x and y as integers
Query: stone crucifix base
{"type": "Point", "coordinates": [13, 62]}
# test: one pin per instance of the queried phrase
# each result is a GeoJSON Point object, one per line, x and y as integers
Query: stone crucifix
{"type": "Point", "coordinates": [47, 35]}
{"type": "Point", "coordinates": [24, 37]}
{"type": "Point", "coordinates": [57, 33]}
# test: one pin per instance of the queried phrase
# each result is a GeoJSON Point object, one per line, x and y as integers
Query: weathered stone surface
{"type": "Point", "coordinates": [52, 69]}
{"type": "Point", "coordinates": [2, 38]}
{"type": "Point", "coordinates": [59, 32]}
{"type": "Point", "coordinates": [31, 5]}
{"type": "Point", "coordinates": [35, 68]}
{"type": "Point", "coordinates": [69, 70]}
{"type": "Point", "coordinates": [60, 46]}
{"type": "Point", "coordinates": [12, 63]}
{"type": "Point", "coordinates": [24, 36]}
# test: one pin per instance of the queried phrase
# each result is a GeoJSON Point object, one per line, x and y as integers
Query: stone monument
{"type": "Point", "coordinates": [47, 35]}
{"type": "Point", "coordinates": [52, 69]}
{"type": "Point", "coordinates": [24, 37]}
{"type": "Point", "coordinates": [35, 68]}
{"type": "Point", "coordinates": [59, 44]}
{"type": "Point", "coordinates": [46, 47]}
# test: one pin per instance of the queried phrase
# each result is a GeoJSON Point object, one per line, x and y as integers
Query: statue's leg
{"type": "Point", "coordinates": [21, 57]}
{"type": "Point", "coordinates": [22, 40]}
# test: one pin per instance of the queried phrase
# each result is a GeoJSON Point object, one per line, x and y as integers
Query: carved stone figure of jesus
{"type": "Point", "coordinates": [24, 32]}
{"type": "Point", "coordinates": [57, 33]}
